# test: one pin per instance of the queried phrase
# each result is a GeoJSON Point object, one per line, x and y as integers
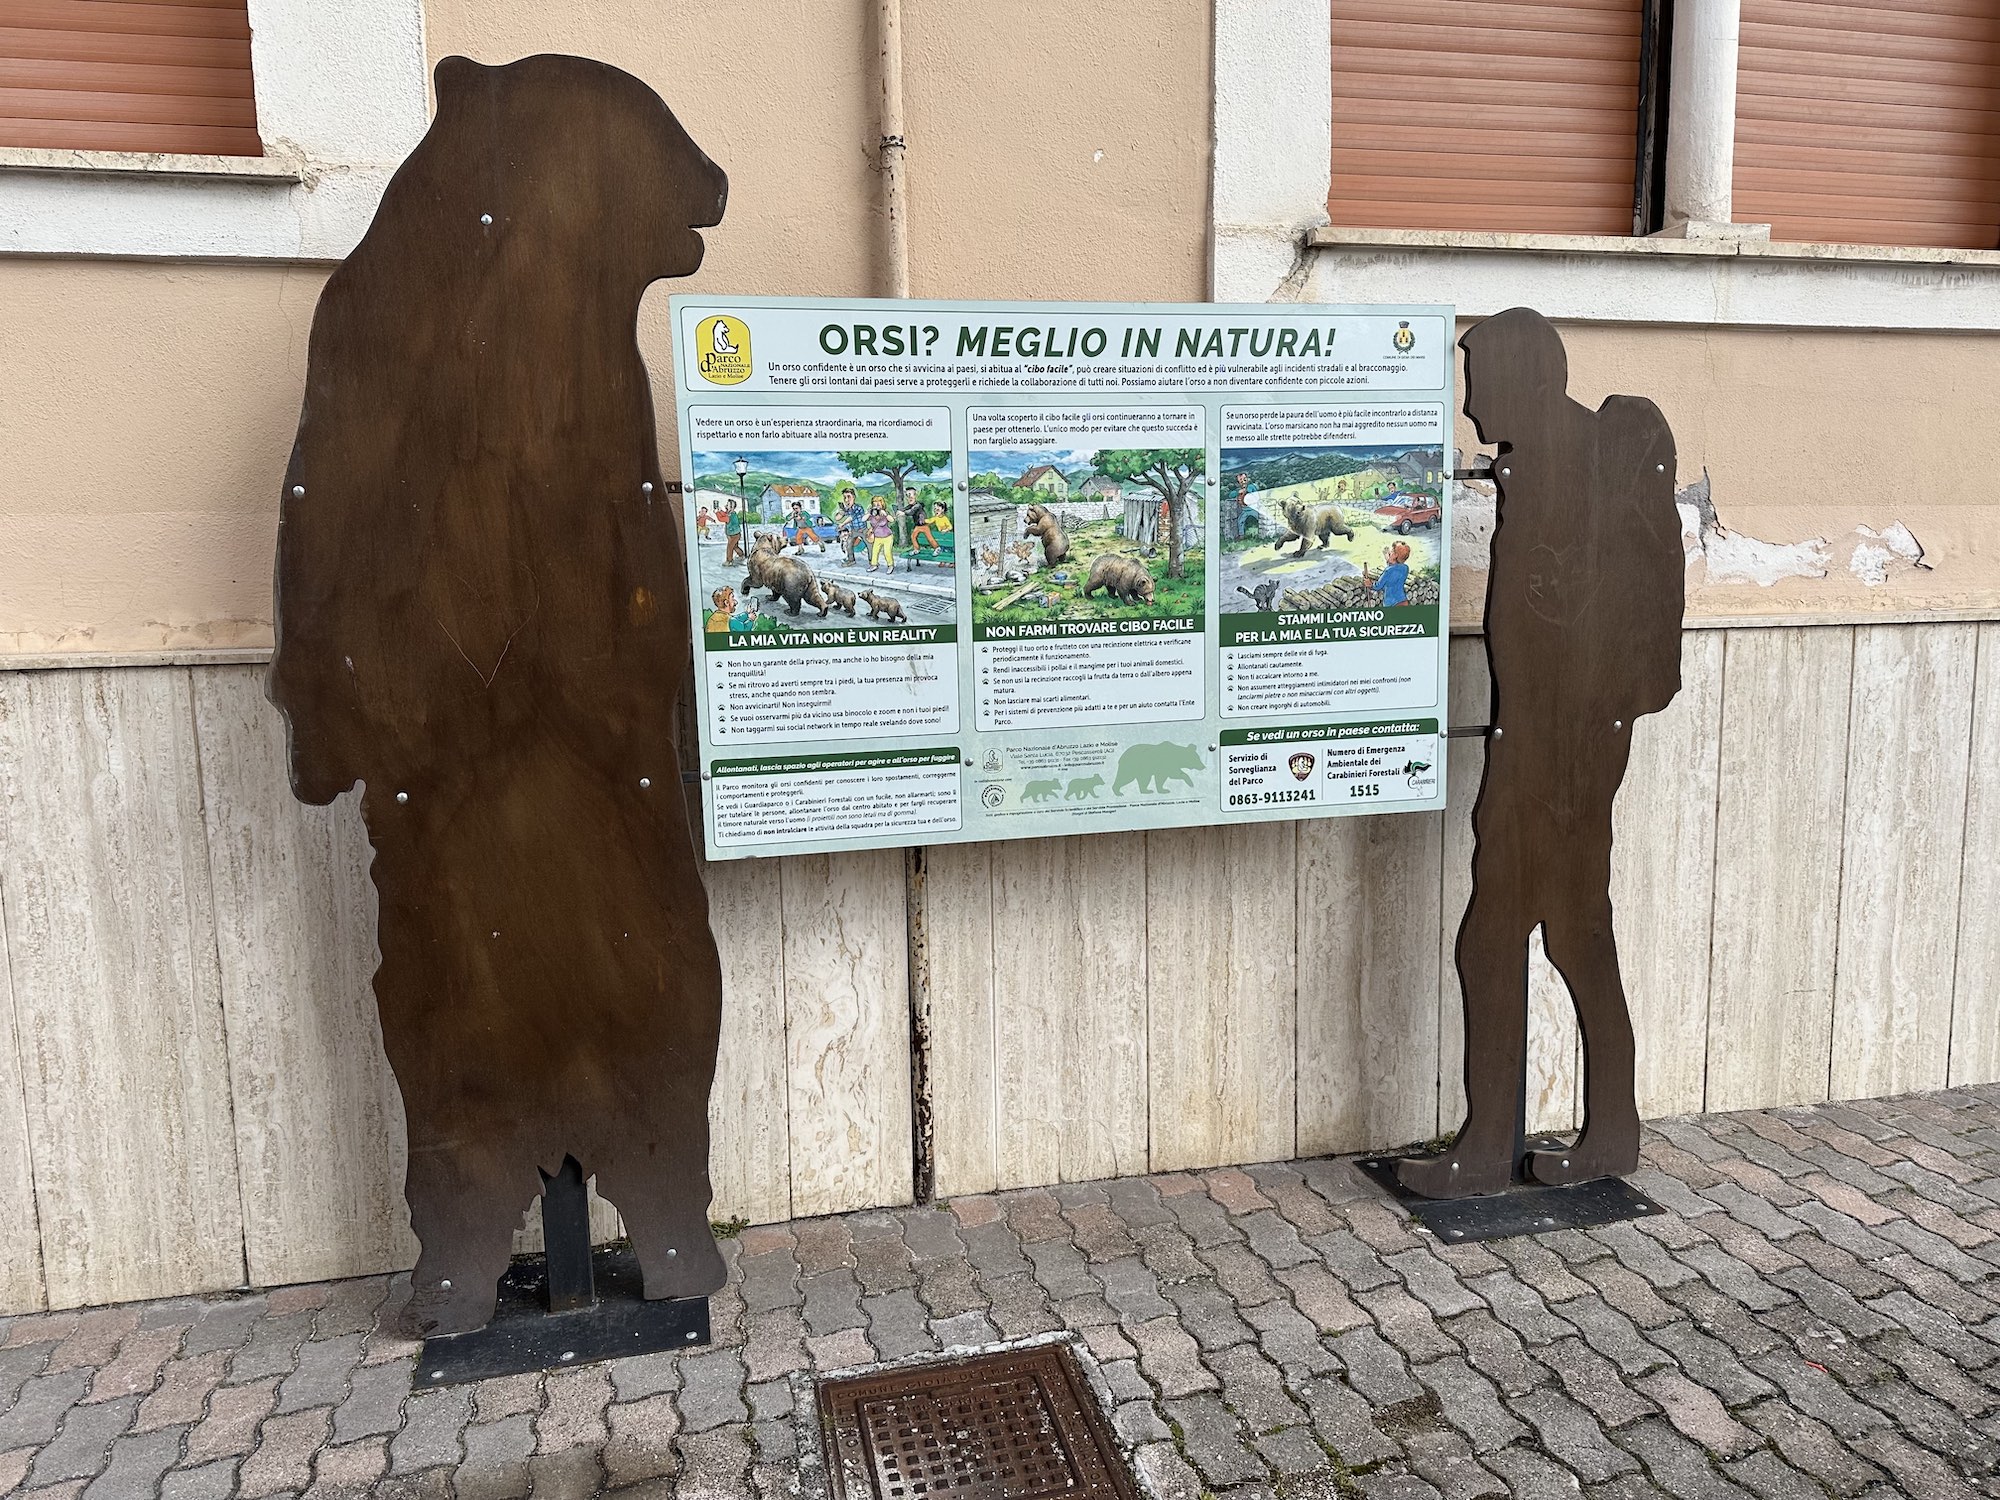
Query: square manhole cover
{"type": "Point", "coordinates": [1020, 1424]}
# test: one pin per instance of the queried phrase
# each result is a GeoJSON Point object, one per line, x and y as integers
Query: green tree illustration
{"type": "Point", "coordinates": [897, 467]}
{"type": "Point", "coordinates": [1169, 473]}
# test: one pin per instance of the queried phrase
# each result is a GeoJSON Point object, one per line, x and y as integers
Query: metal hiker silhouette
{"type": "Point", "coordinates": [1583, 621]}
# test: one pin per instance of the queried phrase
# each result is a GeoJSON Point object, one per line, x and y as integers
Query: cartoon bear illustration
{"type": "Point", "coordinates": [482, 615]}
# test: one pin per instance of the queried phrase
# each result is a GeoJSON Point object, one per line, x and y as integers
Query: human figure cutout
{"type": "Point", "coordinates": [483, 615]}
{"type": "Point", "coordinates": [1583, 620]}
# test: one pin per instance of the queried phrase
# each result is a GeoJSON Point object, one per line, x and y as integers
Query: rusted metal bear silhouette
{"type": "Point", "coordinates": [482, 614]}
{"type": "Point", "coordinates": [1583, 623]}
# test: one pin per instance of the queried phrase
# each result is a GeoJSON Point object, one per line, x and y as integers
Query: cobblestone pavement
{"type": "Point", "coordinates": [1818, 1313]}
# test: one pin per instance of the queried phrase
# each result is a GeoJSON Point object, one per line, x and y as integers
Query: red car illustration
{"type": "Point", "coordinates": [1401, 512]}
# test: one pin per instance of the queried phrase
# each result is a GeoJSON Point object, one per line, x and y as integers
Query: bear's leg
{"type": "Point", "coordinates": [465, 1205]}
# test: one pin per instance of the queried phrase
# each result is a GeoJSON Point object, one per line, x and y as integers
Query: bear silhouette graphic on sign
{"type": "Point", "coordinates": [483, 616]}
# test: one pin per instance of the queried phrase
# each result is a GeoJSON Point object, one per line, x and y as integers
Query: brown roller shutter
{"type": "Point", "coordinates": [1485, 114]}
{"type": "Point", "coordinates": [128, 75]}
{"type": "Point", "coordinates": [1875, 124]}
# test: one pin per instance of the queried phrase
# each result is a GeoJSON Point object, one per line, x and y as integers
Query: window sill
{"type": "Point", "coordinates": [1719, 247]}
{"type": "Point", "coordinates": [1707, 281]}
{"type": "Point", "coordinates": [270, 169]}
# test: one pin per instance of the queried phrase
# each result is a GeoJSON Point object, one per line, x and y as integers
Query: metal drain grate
{"type": "Point", "coordinates": [1016, 1425]}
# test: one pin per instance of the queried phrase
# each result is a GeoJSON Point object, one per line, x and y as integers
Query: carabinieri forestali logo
{"type": "Point", "coordinates": [722, 350]}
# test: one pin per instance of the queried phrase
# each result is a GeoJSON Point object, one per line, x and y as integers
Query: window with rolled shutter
{"type": "Point", "coordinates": [1874, 123]}
{"type": "Point", "coordinates": [128, 75]}
{"type": "Point", "coordinates": [1485, 114]}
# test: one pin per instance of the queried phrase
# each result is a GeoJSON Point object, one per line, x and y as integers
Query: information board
{"type": "Point", "coordinates": [1008, 570]}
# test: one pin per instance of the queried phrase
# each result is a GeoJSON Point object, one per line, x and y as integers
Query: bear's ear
{"type": "Point", "coordinates": [455, 76]}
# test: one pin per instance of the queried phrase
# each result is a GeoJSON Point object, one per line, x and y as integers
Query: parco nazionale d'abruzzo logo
{"type": "Point", "coordinates": [722, 350]}
{"type": "Point", "coordinates": [1405, 339]}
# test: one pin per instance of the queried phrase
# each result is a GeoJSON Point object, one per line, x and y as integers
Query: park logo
{"type": "Point", "coordinates": [722, 350]}
{"type": "Point", "coordinates": [1301, 764]}
{"type": "Point", "coordinates": [1405, 340]}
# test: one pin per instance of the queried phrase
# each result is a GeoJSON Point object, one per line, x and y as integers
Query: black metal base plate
{"type": "Point", "coordinates": [1529, 1208]}
{"type": "Point", "coordinates": [523, 1337]}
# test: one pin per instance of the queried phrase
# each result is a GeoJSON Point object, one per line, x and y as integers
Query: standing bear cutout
{"type": "Point", "coordinates": [482, 614]}
{"type": "Point", "coordinates": [1584, 597]}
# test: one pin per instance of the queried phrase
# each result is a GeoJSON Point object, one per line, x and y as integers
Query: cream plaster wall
{"type": "Point", "coordinates": [146, 410]}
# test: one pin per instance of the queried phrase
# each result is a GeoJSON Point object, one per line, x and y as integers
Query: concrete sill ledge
{"type": "Point", "coordinates": [249, 169]}
{"type": "Point", "coordinates": [1328, 237]}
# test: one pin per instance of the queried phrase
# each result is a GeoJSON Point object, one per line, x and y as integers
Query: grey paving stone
{"type": "Point", "coordinates": [969, 1330]}
{"type": "Point", "coordinates": [832, 1302]}
{"type": "Point", "coordinates": [1837, 1228]}
{"type": "Point", "coordinates": [1720, 1317]}
{"type": "Point", "coordinates": [1169, 1253]}
{"type": "Point", "coordinates": [1672, 1194]}
{"type": "Point", "coordinates": [1682, 1468]}
{"type": "Point", "coordinates": [1643, 1254]}
{"type": "Point", "coordinates": [1531, 1476]}
{"type": "Point", "coordinates": [496, 1459]}
{"type": "Point", "coordinates": [1594, 1382]}
{"type": "Point", "coordinates": [1496, 1351]}
{"type": "Point", "coordinates": [80, 1450]}
{"type": "Point", "coordinates": [38, 1411]}
{"type": "Point", "coordinates": [1139, 1422]}
{"type": "Point", "coordinates": [1765, 1474]}
{"type": "Point", "coordinates": [321, 1375]}
{"type": "Point", "coordinates": [1617, 1337]}
{"type": "Point", "coordinates": [712, 1386]}
{"type": "Point", "coordinates": [1165, 1474]}
{"type": "Point", "coordinates": [1245, 1280]}
{"type": "Point", "coordinates": [1204, 1220]}
{"type": "Point", "coordinates": [899, 1325]}
{"type": "Point", "coordinates": [1342, 1418]}
{"type": "Point", "coordinates": [1919, 1471]}
{"type": "Point", "coordinates": [1443, 1459]}
{"type": "Point", "coordinates": [1374, 1368]}
{"type": "Point", "coordinates": [1628, 1291]}
{"type": "Point", "coordinates": [1274, 1239]}
{"type": "Point", "coordinates": [931, 1234]}
{"type": "Point", "coordinates": [137, 1463]}
{"type": "Point", "coordinates": [1391, 1484]}
{"type": "Point", "coordinates": [1935, 1250]}
{"type": "Point", "coordinates": [1829, 1303]}
{"type": "Point", "coordinates": [1469, 1401]}
{"type": "Point", "coordinates": [771, 1281]}
{"type": "Point", "coordinates": [1520, 1307]}
{"type": "Point", "coordinates": [1816, 1393]}
{"type": "Point", "coordinates": [1019, 1307]}
{"type": "Point", "coordinates": [1137, 1202]}
{"type": "Point", "coordinates": [1125, 1382]}
{"type": "Point", "coordinates": [1207, 1314]}
{"type": "Point", "coordinates": [1938, 1329]}
{"type": "Point", "coordinates": [1407, 1323]}
{"type": "Point", "coordinates": [1735, 1279]}
{"type": "Point", "coordinates": [1061, 1269]}
{"type": "Point", "coordinates": [645, 1375]}
{"type": "Point", "coordinates": [1934, 1375]}
{"type": "Point", "coordinates": [1933, 1425]}
{"type": "Point", "coordinates": [216, 1481]}
{"type": "Point", "coordinates": [1358, 1266]}
{"type": "Point", "coordinates": [1215, 1441]}
{"type": "Point", "coordinates": [1698, 1414]}
{"type": "Point", "coordinates": [1132, 1290]}
{"type": "Point", "coordinates": [430, 1436]}
{"type": "Point", "coordinates": [1572, 1435]}
{"type": "Point", "coordinates": [1292, 1452]}
{"type": "Point", "coordinates": [994, 1250]}
{"type": "Point", "coordinates": [1171, 1359]}
{"type": "Point", "coordinates": [1709, 1362]}
{"type": "Point", "coordinates": [1253, 1388]}
{"type": "Point", "coordinates": [223, 1324]}
{"type": "Point", "coordinates": [1289, 1337]}
{"type": "Point", "coordinates": [1434, 1283]}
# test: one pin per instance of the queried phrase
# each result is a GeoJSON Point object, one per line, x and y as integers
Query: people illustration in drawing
{"type": "Point", "coordinates": [1583, 621]}
{"type": "Point", "coordinates": [1392, 584]}
{"type": "Point", "coordinates": [881, 538]}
